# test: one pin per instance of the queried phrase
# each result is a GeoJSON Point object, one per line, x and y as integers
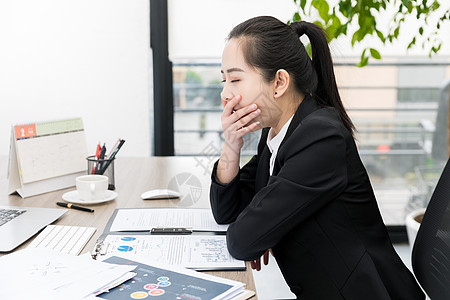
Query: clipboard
{"type": "Point", "coordinates": [141, 242]}
{"type": "Point", "coordinates": [46, 156]}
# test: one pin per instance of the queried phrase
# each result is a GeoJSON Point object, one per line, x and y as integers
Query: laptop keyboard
{"type": "Point", "coordinates": [64, 239]}
{"type": "Point", "coordinates": [7, 214]}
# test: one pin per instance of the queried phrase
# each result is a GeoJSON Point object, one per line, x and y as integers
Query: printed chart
{"type": "Point", "coordinates": [151, 281]}
{"type": "Point", "coordinates": [200, 252]}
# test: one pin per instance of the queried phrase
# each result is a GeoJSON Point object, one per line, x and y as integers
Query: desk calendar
{"type": "Point", "coordinates": [46, 156]}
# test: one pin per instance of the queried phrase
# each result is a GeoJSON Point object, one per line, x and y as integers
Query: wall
{"type": "Point", "coordinates": [198, 28]}
{"type": "Point", "coordinates": [88, 59]}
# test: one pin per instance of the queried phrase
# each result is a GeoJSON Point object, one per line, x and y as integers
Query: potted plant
{"type": "Point", "coordinates": [413, 220]}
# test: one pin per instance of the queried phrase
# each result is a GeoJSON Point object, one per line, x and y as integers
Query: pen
{"type": "Point", "coordinates": [170, 230]}
{"type": "Point", "coordinates": [97, 156]}
{"type": "Point", "coordinates": [113, 154]}
{"type": "Point", "coordinates": [70, 205]}
{"type": "Point", "coordinates": [114, 147]}
{"type": "Point", "coordinates": [97, 152]}
{"type": "Point", "coordinates": [100, 159]}
{"type": "Point", "coordinates": [103, 151]}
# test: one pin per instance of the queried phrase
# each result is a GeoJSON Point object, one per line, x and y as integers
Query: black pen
{"type": "Point", "coordinates": [101, 158]}
{"type": "Point", "coordinates": [70, 205]}
{"type": "Point", "coordinates": [111, 157]}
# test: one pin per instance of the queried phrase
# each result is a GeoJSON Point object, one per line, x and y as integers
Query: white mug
{"type": "Point", "coordinates": [92, 187]}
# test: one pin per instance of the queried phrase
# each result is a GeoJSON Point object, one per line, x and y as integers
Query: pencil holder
{"type": "Point", "coordinates": [103, 167]}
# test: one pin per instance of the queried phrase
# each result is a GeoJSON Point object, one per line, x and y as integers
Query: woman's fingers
{"type": "Point", "coordinates": [230, 104]}
{"type": "Point", "coordinates": [238, 122]}
{"type": "Point", "coordinates": [243, 121]}
{"type": "Point", "coordinates": [229, 109]}
{"type": "Point", "coordinates": [256, 264]}
{"type": "Point", "coordinates": [266, 257]}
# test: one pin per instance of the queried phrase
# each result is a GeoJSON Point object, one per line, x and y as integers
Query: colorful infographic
{"type": "Point", "coordinates": [162, 284]}
{"type": "Point", "coordinates": [199, 252]}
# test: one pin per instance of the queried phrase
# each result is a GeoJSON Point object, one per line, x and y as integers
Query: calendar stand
{"type": "Point", "coordinates": [46, 156]}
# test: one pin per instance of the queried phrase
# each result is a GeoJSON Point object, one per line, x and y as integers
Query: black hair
{"type": "Point", "coordinates": [270, 45]}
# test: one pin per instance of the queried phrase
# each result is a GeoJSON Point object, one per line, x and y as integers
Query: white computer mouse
{"type": "Point", "coordinates": [160, 194]}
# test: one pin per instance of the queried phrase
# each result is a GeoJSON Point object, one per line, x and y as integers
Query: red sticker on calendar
{"type": "Point", "coordinates": [25, 131]}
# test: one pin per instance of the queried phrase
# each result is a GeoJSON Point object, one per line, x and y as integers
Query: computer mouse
{"type": "Point", "coordinates": [160, 194]}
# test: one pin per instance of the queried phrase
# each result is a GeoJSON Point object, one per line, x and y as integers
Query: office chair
{"type": "Point", "coordinates": [440, 148]}
{"type": "Point", "coordinates": [431, 250]}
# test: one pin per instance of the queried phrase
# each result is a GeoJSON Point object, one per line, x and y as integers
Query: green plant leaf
{"type": "Point", "coordinates": [413, 42]}
{"type": "Point", "coordinates": [435, 5]}
{"type": "Point", "coordinates": [381, 36]}
{"type": "Point", "coordinates": [396, 31]}
{"type": "Point", "coordinates": [324, 11]}
{"type": "Point", "coordinates": [309, 49]}
{"type": "Point", "coordinates": [303, 4]}
{"type": "Point", "coordinates": [363, 54]}
{"type": "Point", "coordinates": [364, 62]}
{"type": "Point", "coordinates": [334, 17]}
{"type": "Point", "coordinates": [375, 54]}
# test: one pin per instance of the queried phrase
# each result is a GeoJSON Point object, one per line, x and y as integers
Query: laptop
{"type": "Point", "coordinates": [18, 224]}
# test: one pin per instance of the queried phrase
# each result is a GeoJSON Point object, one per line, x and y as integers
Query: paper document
{"type": "Point", "coordinates": [146, 219]}
{"type": "Point", "coordinates": [199, 252]}
{"type": "Point", "coordinates": [166, 282]}
{"type": "Point", "coordinates": [39, 273]}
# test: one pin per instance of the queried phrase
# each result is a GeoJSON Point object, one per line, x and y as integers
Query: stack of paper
{"type": "Point", "coordinates": [39, 273]}
{"type": "Point", "coordinates": [127, 233]}
{"type": "Point", "coordinates": [198, 219]}
{"type": "Point", "coordinates": [170, 282]}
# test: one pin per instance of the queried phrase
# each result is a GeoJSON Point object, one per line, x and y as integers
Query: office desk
{"type": "Point", "coordinates": [133, 176]}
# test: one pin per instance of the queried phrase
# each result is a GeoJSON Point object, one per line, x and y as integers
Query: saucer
{"type": "Point", "coordinates": [74, 197]}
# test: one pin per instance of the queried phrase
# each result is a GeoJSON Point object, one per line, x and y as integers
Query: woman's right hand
{"type": "Point", "coordinates": [236, 123]}
{"type": "Point", "coordinates": [256, 264]}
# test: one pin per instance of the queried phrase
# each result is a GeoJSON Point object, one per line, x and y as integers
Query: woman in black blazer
{"type": "Point", "coordinates": [305, 195]}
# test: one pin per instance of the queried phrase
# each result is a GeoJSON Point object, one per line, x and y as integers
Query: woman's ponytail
{"type": "Point", "coordinates": [326, 92]}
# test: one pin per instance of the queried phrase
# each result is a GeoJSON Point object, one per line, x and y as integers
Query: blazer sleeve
{"type": "Point", "coordinates": [313, 172]}
{"type": "Point", "coordinates": [228, 200]}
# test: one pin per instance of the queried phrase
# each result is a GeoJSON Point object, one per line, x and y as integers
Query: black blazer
{"type": "Point", "coordinates": [317, 212]}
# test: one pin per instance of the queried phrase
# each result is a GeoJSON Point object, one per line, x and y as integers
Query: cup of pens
{"type": "Point", "coordinates": [102, 166]}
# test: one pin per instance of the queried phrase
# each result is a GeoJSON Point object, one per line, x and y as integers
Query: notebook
{"type": "Point", "coordinates": [21, 223]}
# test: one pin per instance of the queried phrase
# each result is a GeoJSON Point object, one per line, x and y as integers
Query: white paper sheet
{"type": "Point", "coordinates": [146, 219]}
{"type": "Point", "coordinates": [38, 273]}
{"type": "Point", "coordinates": [199, 252]}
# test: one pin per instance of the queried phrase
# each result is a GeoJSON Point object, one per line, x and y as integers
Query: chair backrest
{"type": "Point", "coordinates": [441, 143]}
{"type": "Point", "coordinates": [431, 250]}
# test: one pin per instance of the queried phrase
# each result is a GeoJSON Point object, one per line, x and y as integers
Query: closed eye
{"type": "Point", "coordinates": [232, 81]}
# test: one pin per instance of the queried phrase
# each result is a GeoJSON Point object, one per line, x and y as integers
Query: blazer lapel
{"type": "Point", "coordinates": [307, 106]}
{"type": "Point", "coordinates": [262, 174]}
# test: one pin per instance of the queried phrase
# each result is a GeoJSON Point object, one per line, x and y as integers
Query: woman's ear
{"type": "Point", "coordinates": [281, 83]}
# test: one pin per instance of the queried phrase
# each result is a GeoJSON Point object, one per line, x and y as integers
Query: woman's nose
{"type": "Point", "coordinates": [226, 94]}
